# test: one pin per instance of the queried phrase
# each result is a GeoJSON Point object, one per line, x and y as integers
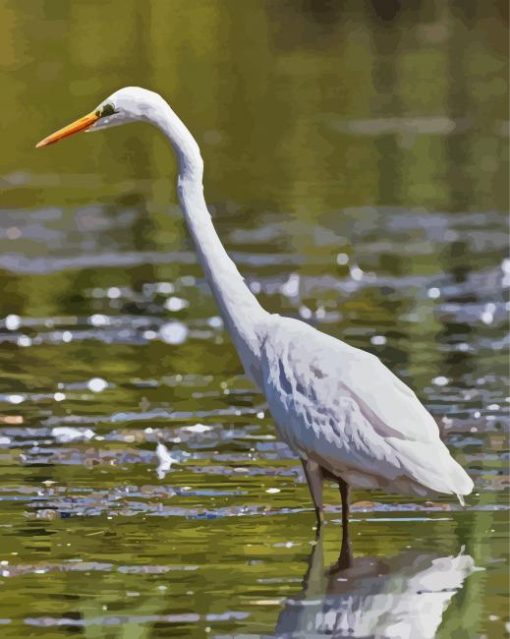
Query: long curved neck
{"type": "Point", "coordinates": [241, 312]}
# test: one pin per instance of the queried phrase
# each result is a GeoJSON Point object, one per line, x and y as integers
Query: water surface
{"type": "Point", "coordinates": [360, 187]}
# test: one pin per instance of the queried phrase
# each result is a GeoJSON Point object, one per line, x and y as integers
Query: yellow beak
{"type": "Point", "coordinates": [79, 125]}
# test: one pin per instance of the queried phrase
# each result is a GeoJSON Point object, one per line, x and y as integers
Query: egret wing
{"type": "Point", "coordinates": [323, 369]}
{"type": "Point", "coordinates": [344, 408]}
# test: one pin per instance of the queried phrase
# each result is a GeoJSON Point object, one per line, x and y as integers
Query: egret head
{"type": "Point", "coordinates": [125, 105]}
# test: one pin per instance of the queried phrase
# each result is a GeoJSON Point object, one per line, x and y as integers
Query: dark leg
{"type": "Point", "coordinates": [345, 558]}
{"type": "Point", "coordinates": [314, 479]}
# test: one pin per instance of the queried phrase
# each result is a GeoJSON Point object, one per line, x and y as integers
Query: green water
{"type": "Point", "coordinates": [356, 168]}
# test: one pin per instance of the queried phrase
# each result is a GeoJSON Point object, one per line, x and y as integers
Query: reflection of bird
{"type": "Point", "coordinates": [339, 408]}
{"type": "Point", "coordinates": [402, 597]}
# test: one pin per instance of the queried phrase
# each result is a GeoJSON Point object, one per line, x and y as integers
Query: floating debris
{"type": "Point", "coordinates": [165, 460]}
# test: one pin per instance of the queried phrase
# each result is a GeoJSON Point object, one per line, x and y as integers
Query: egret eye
{"type": "Point", "coordinates": [106, 110]}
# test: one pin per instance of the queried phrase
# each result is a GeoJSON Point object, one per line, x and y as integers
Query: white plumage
{"type": "Point", "coordinates": [342, 408]}
{"type": "Point", "coordinates": [339, 408]}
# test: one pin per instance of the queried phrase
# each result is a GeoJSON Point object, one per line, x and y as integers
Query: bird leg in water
{"type": "Point", "coordinates": [345, 558]}
{"type": "Point", "coordinates": [315, 479]}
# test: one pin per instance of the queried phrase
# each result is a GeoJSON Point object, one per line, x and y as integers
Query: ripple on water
{"type": "Point", "coordinates": [133, 362]}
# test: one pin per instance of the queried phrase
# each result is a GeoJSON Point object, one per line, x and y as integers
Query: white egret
{"type": "Point", "coordinates": [346, 415]}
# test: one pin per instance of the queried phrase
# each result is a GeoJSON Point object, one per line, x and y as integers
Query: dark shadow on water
{"type": "Point", "coordinates": [401, 596]}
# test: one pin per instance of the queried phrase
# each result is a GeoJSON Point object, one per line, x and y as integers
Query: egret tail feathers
{"type": "Point", "coordinates": [461, 482]}
{"type": "Point", "coordinates": [432, 466]}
